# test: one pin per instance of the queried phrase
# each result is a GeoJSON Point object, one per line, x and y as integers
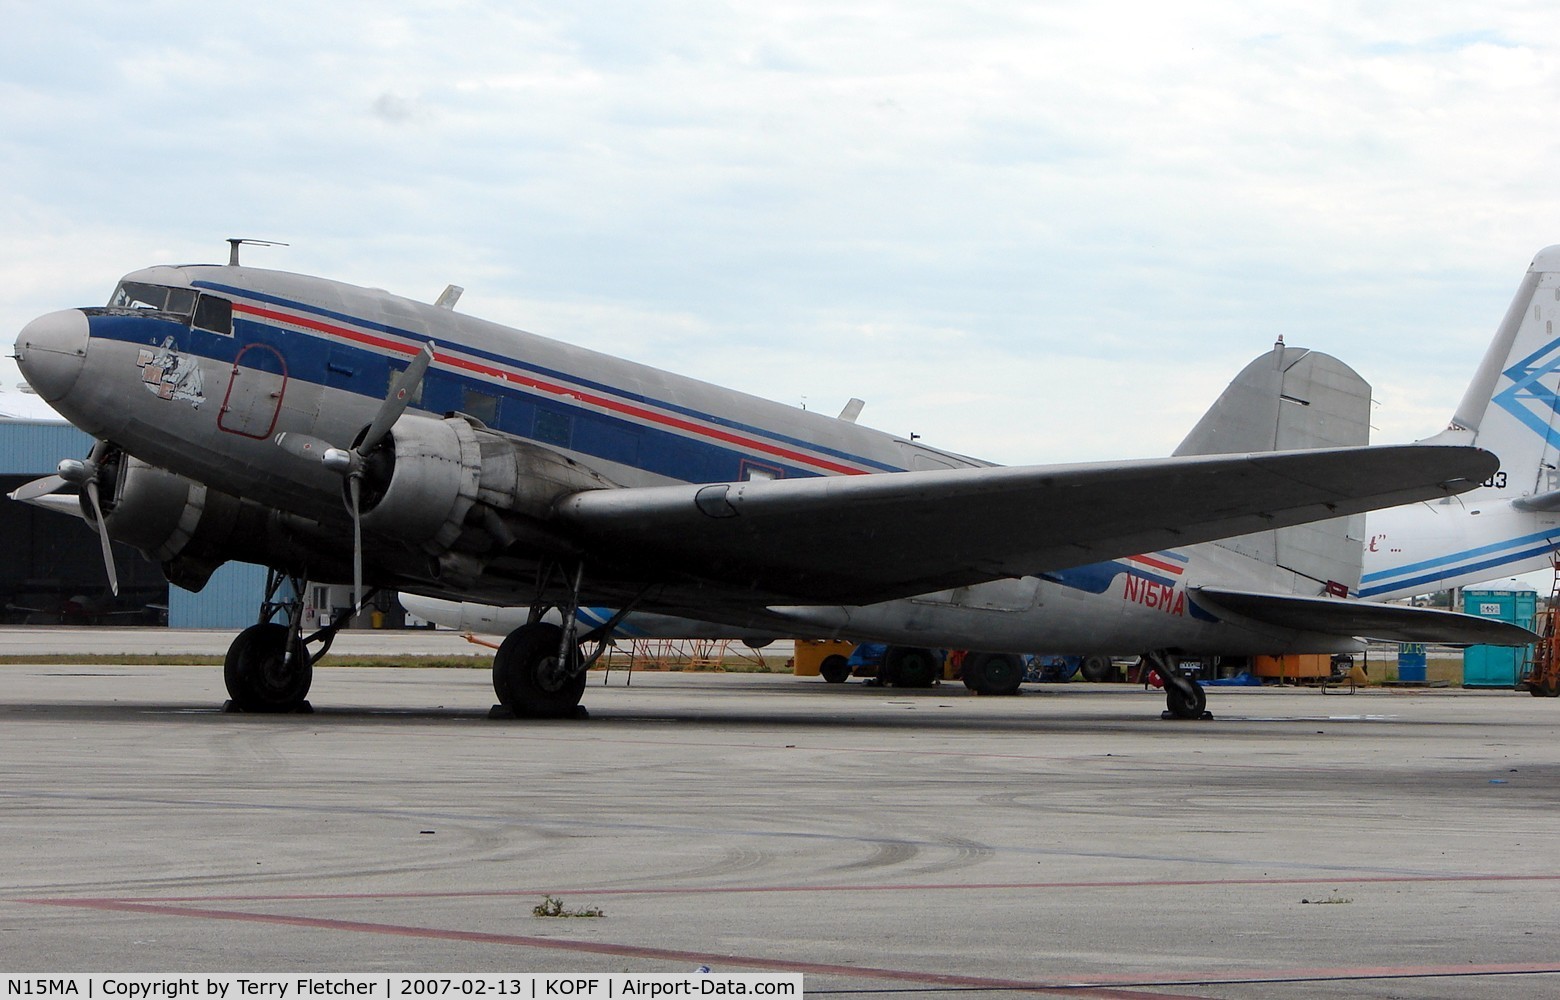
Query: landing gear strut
{"type": "Point", "coordinates": [1184, 697]}
{"type": "Point", "coordinates": [269, 667]}
{"type": "Point", "coordinates": [539, 670]}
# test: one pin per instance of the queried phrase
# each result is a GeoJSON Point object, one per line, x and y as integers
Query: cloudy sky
{"type": "Point", "coordinates": [1026, 231]}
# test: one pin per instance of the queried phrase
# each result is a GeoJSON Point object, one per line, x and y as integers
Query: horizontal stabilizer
{"type": "Point", "coordinates": [1543, 503]}
{"type": "Point", "coordinates": [1344, 616]}
{"type": "Point", "coordinates": [862, 539]}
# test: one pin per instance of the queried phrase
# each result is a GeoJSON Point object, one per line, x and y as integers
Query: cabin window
{"type": "Point", "coordinates": [214, 315]}
{"type": "Point", "coordinates": [754, 472]}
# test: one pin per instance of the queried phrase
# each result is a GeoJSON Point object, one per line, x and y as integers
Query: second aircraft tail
{"type": "Point", "coordinates": [1512, 406]}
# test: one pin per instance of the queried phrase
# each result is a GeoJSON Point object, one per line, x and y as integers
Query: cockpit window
{"type": "Point", "coordinates": [162, 298]}
{"type": "Point", "coordinates": [214, 315]}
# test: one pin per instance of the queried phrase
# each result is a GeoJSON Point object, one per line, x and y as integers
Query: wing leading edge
{"type": "Point", "coordinates": [1342, 616]}
{"type": "Point", "coordinates": [863, 539]}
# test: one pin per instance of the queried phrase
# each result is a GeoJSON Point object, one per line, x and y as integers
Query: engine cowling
{"type": "Point", "coordinates": [422, 481]}
{"type": "Point", "coordinates": [191, 529]}
{"type": "Point", "coordinates": [460, 491]}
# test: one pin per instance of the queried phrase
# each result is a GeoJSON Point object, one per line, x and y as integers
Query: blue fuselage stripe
{"type": "Point", "coordinates": [1548, 536]}
{"type": "Point", "coordinates": [1436, 577]}
{"type": "Point", "coordinates": [414, 340]}
{"type": "Point", "coordinates": [546, 418]}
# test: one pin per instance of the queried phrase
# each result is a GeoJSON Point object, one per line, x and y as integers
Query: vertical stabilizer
{"type": "Point", "coordinates": [1512, 406]}
{"type": "Point", "coordinates": [1287, 399]}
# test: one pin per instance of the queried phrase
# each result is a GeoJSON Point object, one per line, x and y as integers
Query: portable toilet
{"type": "Point", "coordinates": [1503, 600]}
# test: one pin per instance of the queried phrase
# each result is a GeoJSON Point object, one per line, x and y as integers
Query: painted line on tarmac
{"type": "Point", "coordinates": [1115, 986]}
{"type": "Point", "coordinates": [1101, 989]}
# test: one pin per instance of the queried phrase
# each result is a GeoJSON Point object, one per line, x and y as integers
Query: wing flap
{"type": "Point", "coordinates": [1345, 616]}
{"type": "Point", "coordinates": [862, 539]}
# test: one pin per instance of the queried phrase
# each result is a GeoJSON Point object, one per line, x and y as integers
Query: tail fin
{"type": "Point", "coordinates": [1512, 406]}
{"type": "Point", "coordinates": [1288, 398]}
{"type": "Point", "coordinates": [1293, 398]}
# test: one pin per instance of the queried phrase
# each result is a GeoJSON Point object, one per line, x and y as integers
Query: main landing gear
{"type": "Point", "coordinates": [269, 667]}
{"type": "Point", "coordinates": [539, 670]}
{"type": "Point", "coordinates": [1184, 697]}
{"type": "Point", "coordinates": [538, 674]}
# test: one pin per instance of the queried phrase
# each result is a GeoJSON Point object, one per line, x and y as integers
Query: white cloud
{"type": "Point", "coordinates": [1041, 233]}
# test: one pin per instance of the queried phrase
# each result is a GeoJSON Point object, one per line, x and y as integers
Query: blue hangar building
{"type": "Point", "coordinates": [51, 572]}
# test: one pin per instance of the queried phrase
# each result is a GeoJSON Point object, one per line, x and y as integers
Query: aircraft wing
{"type": "Point", "coordinates": [863, 539]}
{"type": "Point", "coordinates": [1344, 616]}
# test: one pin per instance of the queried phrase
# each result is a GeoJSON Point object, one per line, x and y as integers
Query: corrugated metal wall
{"type": "Point", "coordinates": [28, 449]}
{"type": "Point", "coordinates": [230, 600]}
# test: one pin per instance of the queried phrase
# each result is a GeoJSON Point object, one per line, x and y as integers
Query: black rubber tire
{"type": "Point", "coordinates": [834, 669]}
{"type": "Point", "coordinates": [1097, 668]}
{"type": "Point", "coordinates": [261, 676]}
{"type": "Point", "coordinates": [993, 673]}
{"type": "Point", "coordinates": [1185, 698]}
{"type": "Point", "coordinates": [524, 678]}
{"type": "Point", "coordinates": [910, 667]}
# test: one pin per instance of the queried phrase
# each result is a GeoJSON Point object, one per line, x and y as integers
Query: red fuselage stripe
{"type": "Point", "coordinates": [531, 382]}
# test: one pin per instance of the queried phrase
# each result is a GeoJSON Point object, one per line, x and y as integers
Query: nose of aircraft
{"type": "Point", "coordinates": [51, 351]}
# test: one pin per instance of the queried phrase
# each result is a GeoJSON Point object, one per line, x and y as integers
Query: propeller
{"type": "Point", "coordinates": [85, 475]}
{"type": "Point", "coordinates": [37, 488]}
{"type": "Point", "coordinates": [350, 463]}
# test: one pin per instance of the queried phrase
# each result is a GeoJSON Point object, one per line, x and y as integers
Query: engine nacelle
{"type": "Point", "coordinates": [191, 529]}
{"type": "Point", "coordinates": [422, 481]}
{"type": "Point", "coordinates": [451, 486]}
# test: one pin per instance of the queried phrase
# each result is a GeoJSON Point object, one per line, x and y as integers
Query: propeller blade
{"type": "Point", "coordinates": [102, 530]}
{"type": "Point", "coordinates": [302, 445]}
{"type": "Point", "coordinates": [37, 488]}
{"type": "Point", "coordinates": [355, 490]}
{"type": "Point", "coordinates": [400, 397]}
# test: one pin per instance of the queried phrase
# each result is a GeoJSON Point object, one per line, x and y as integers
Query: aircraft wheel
{"type": "Point", "coordinates": [527, 677]}
{"type": "Point", "coordinates": [1185, 698]}
{"type": "Point", "coordinates": [262, 674]}
{"type": "Point", "coordinates": [1097, 668]}
{"type": "Point", "coordinates": [993, 673]}
{"type": "Point", "coordinates": [909, 666]}
{"type": "Point", "coordinates": [834, 669]}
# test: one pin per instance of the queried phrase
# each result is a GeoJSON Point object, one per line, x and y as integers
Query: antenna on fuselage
{"type": "Point", "coordinates": [235, 242]}
{"type": "Point", "coordinates": [449, 296]}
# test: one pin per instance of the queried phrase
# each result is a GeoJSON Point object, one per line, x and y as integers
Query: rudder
{"type": "Point", "coordinates": [1292, 398]}
{"type": "Point", "coordinates": [1512, 406]}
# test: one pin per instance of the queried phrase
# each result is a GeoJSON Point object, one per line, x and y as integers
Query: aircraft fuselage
{"type": "Point", "coordinates": [203, 381]}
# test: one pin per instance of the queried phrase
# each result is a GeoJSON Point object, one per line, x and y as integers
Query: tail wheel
{"type": "Point", "coordinates": [1184, 698]}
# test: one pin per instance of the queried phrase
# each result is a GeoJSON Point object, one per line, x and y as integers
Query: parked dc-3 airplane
{"type": "Point", "coordinates": [1509, 523]}
{"type": "Point", "coordinates": [336, 433]}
